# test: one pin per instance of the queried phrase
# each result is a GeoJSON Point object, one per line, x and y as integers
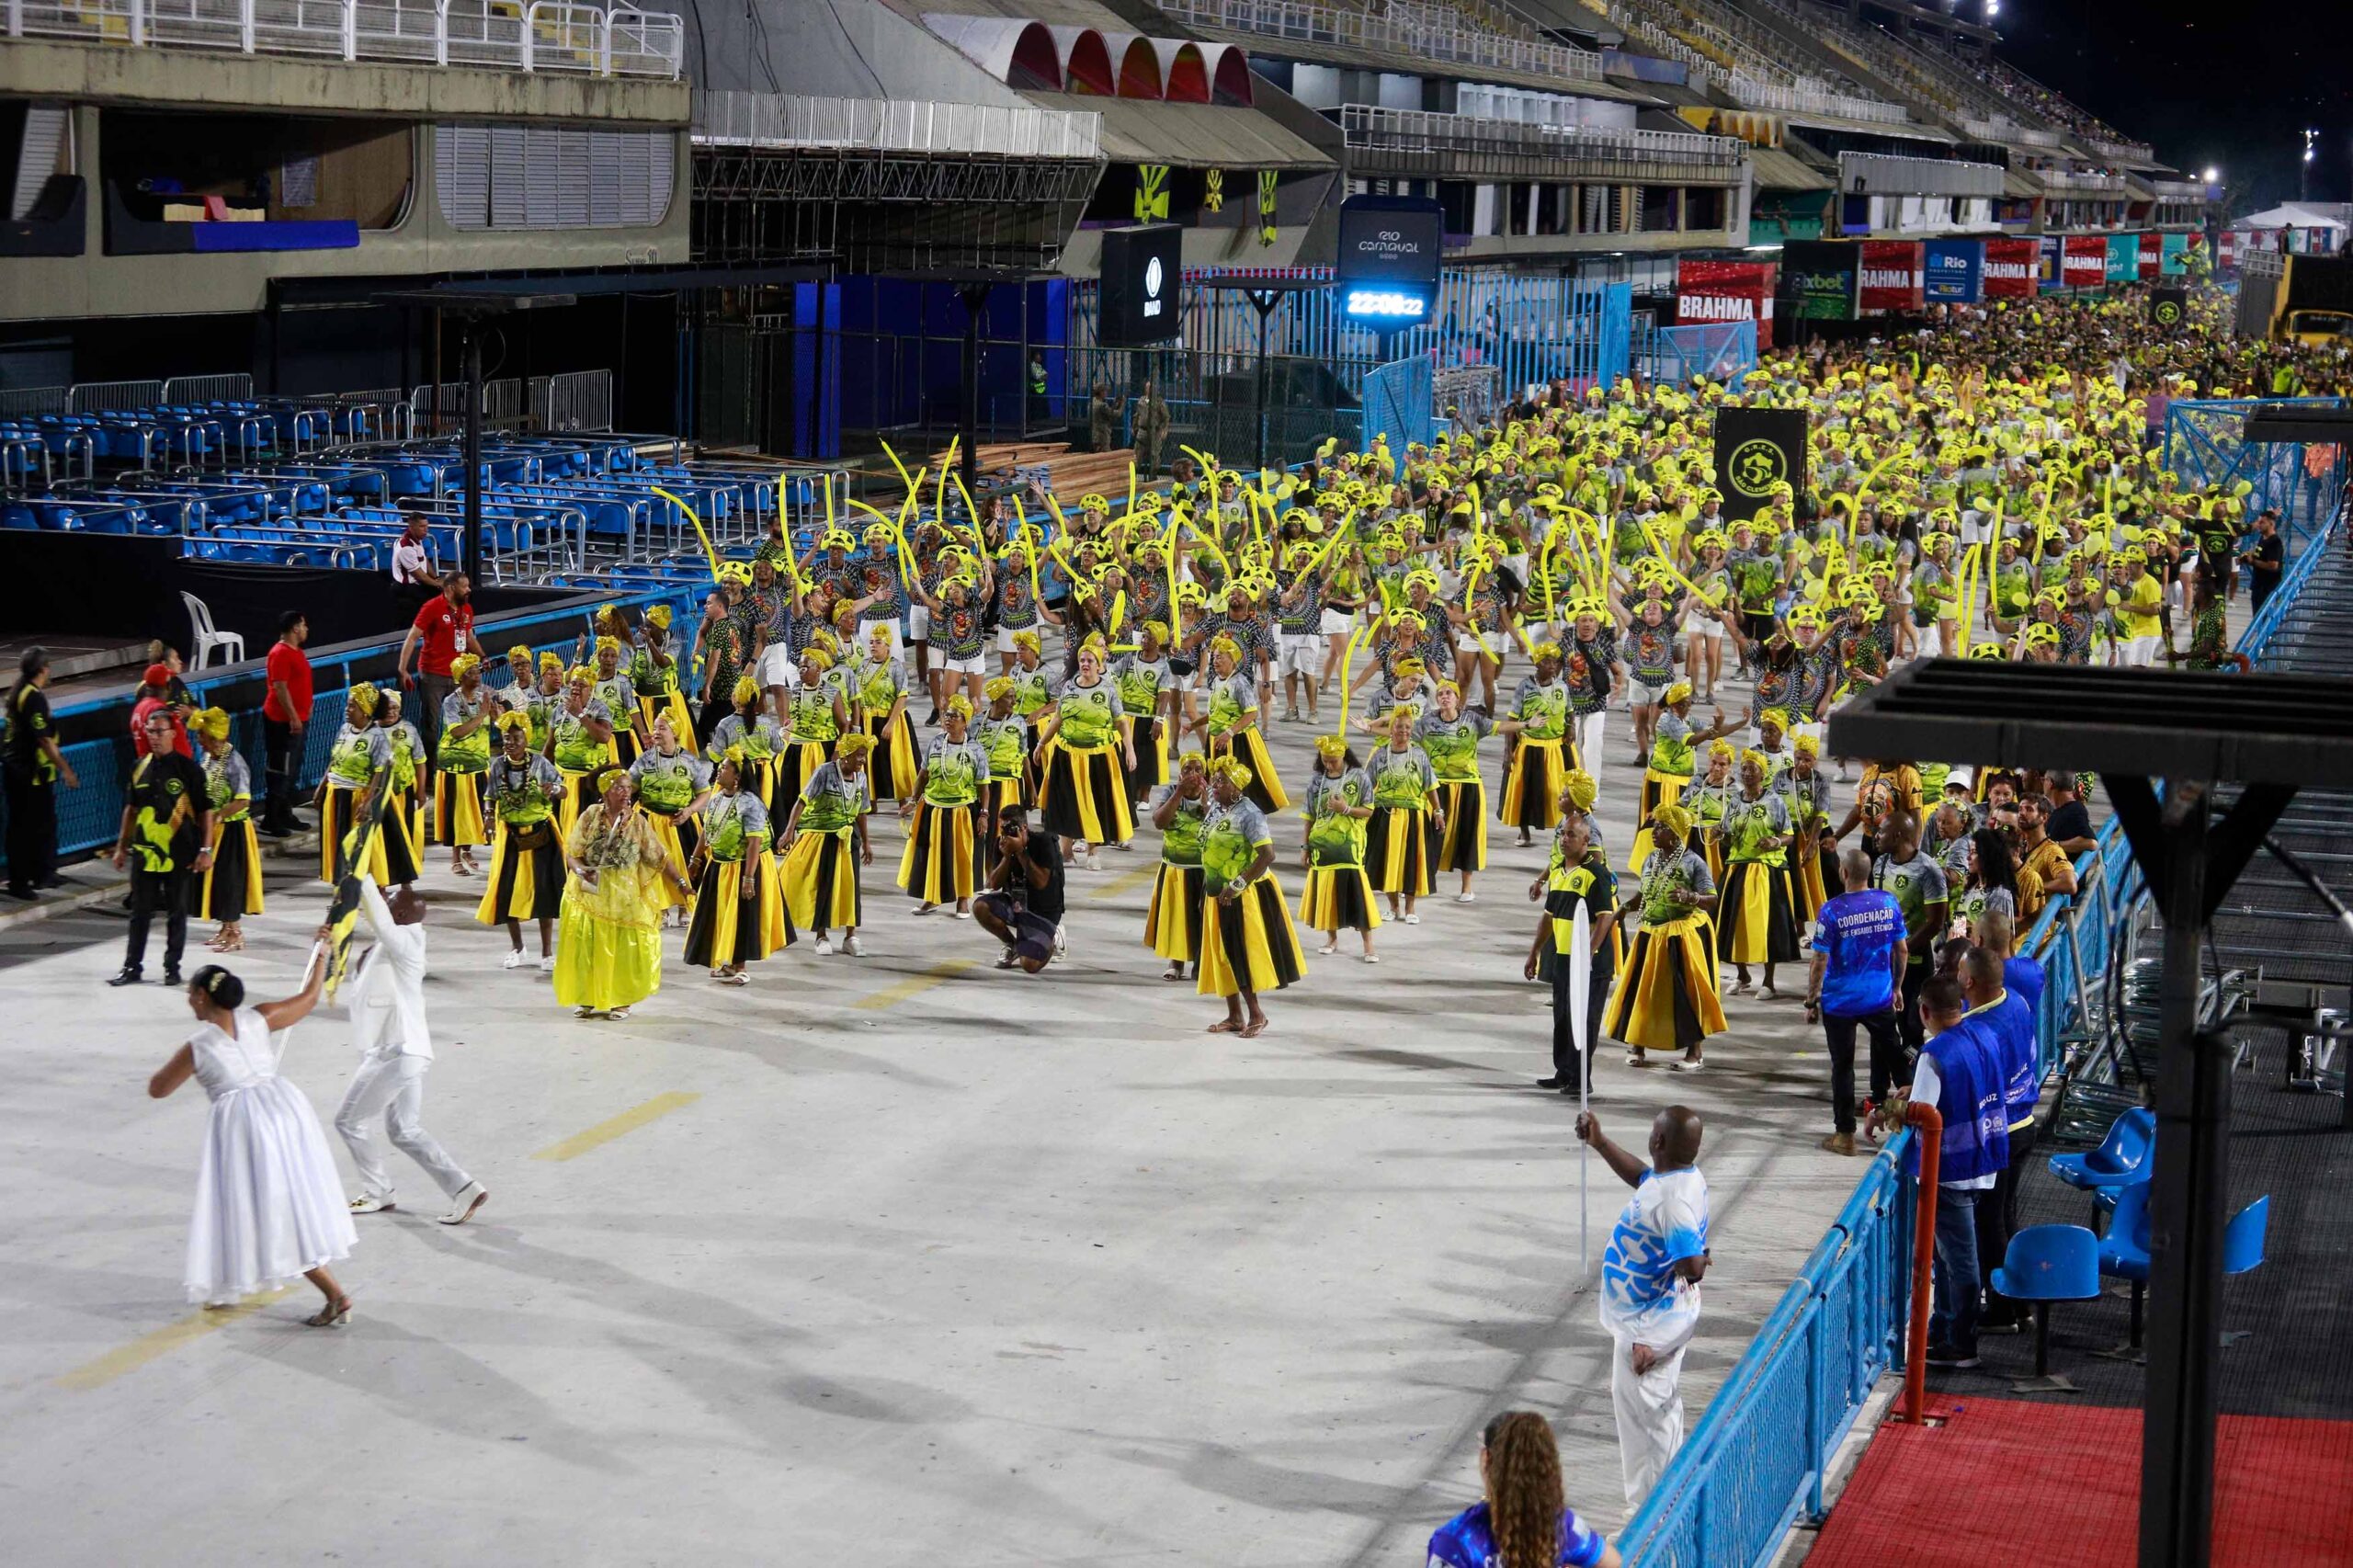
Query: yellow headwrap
{"type": "Point", "coordinates": [1679, 692]}
{"type": "Point", "coordinates": [659, 615]}
{"type": "Point", "coordinates": [1581, 789]}
{"type": "Point", "coordinates": [740, 755]}
{"type": "Point", "coordinates": [959, 707]}
{"type": "Point", "coordinates": [464, 665]}
{"type": "Point", "coordinates": [1672, 819]}
{"type": "Point", "coordinates": [1231, 767]}
{"type": "Point", "coordinates": [1222, 644]}
{"type": "Point", "coordinates": [364, 696]}
{"type": "Point", "coordinates": [999, 687]}
{"type": "Point", "coordinates": [1722, 747]}
{"type": "Point", "coordinates": [520, 656]}
{"type": "Point", "coordinates": [1807, 745]}
{"type": "Point", "coordinates": [612, 776]}
{"type": "Point", "coordinates": [582, 674]}
{"type": "Point", "coordinates": [1548, 650]}
{"type": "Point", "coordinates": [550, 660]}
{"type": "Point", "coordinates": [853, 745]}
{"type": "Point", "coordinates": [747, 688]}
{"type": "Point", "coordinates": [1778, 718]}
{"type": "Point", "coordinates": [609, 644]}
{"type": "Point", "coordinates": [514, 720]}
{"type": "Point", "coordinates": [1332, 746]}
{"type": "Point", "coordinates": [212, 723]}
{"type": "Point", "coordinates": [1026, 639]}
{"type": "Point", "coordinates": [818, 655]}
{"type": "Point", "coordinates": [1750, 754]}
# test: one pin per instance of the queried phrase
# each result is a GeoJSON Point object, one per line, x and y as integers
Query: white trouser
{"type": "Point", "coordinates": [2137, 652]}
{"type": "Point", "coordinates": [1649, 1408]}
{"type": "Point", "coordinates": [1590, 740]}
{"type": "Point", "coordinates": [394, 1085]}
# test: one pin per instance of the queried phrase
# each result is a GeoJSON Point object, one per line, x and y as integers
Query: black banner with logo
{"type": "Point", "coordinates": [1757, 450]}
{"type": "Point", "coordinates": [1817, 280]}
{"type": "Point", "coordinates": [2168, 307]}
{"type": "Point", "coordinates": [1141, 267]}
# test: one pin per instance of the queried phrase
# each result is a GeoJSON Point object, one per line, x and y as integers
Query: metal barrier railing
{"type": "Point", "coordinates": [726, 118]}
{"type": "Point", "coordinates": [1429, 34]}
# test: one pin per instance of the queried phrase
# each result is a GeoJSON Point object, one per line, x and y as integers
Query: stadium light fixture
{"type": "Point", "coordinates": [2213, 175]}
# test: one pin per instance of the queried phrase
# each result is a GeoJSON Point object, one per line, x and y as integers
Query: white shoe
{"type": "Point", "coordinates": [369, 1203]}
{"type": "Point", "coordinates": [824, 946]}
{"type": "Point", "coordinates": [516, 960]}
{"type": "Point", "coordinates": [462, 1208]}
{"type": "Point", "coordinates": [852, 946]}
{"type": "Point", "coordinates": [1327, 948]}
{"type": "Point", "coordinates": [1094, 861]}
{"type": "Point", "coordinates": [547, 965]}
{"type": "Point", "coordinates": [1062, 940]}
{"type": "Point", "coordinates": [1413, 920]}
{"type": "Point", "coordinates": [922, 909]}
{"type": "Point", "coordinates": [1372, 958]}
{"type": "Point", "coordinates": [584, 1011]}
{"type": "Point", "coordinates": [618, 1012]}
{"type": "Point", "coordinates": [1466, 898]}
{"type": "Point", "coordinates": [963, 915]}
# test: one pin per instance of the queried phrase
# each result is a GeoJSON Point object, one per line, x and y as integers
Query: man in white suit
{"type": "Point", "coordinates": [387, 992]}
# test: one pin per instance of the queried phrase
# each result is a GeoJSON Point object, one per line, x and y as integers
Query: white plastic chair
{"type": "Point", "coordinates": [232, 644]}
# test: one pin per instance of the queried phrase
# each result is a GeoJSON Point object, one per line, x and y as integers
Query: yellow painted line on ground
{"type": "Point", "coordinates": [162, 1342]}
{"type": "Point", "coordinates": [629, 1121]}
{"type": "Point", "coordinates": [914, 985]}
{"type": "Point", "coordinates": [1127, 882]}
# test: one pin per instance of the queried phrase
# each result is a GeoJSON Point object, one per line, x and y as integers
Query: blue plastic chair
{"type": "Point", "coordinates": [2046, 1265]}
{"type": "Point", "coordinates": [2124, 1251]}
{"type": "Point", "coordinates": [2121, 1160]}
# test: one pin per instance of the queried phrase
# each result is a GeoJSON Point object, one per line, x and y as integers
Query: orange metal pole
{"type": "Point", "coordinates": [1929, 1130]}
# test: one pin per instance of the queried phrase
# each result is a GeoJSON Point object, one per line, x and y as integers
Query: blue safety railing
{"type": "Point", "coordinates": [1399, 402]}
{"type": "Point", "coordinates": [2204, 444]}
{"type": "Point", "coordinates": [1722, 351]}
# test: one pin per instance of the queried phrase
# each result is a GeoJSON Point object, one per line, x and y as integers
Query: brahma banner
{"type": "Point", "coordinates": [1892, 278]}
{"type": "Point", "coordinates": [2083, 261]}
{"type": "Point", "coordinates": [1955, 272]}
{"type": "Point", "coordinates": [1725, 290]}
{"type": "Point", "coordinates": [2010, 270]}
{"type": "Point", "coordinates": [2152, 256]}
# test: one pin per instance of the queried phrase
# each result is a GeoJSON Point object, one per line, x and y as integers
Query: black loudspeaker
{"type": "Point", "coordinates": [1141, 268]}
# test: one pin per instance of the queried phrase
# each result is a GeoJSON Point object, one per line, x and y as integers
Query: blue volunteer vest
{"type": "Point", "coordinates": [1969, 1099]}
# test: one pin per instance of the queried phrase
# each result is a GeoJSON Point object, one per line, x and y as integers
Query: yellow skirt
{"type": "Point", "coordinates": [670, 705]}
{"type": "Point", "coordinates": [1338, 898]}
{"type": "Point", "coordinates": [1266, 785]}
{"type": "Point", "coordinates": [579, 792]}
{"type": "Point", "coordinates": [1084, 794]}
{"type": "Point", "coordinates": [1665, 998]}
{"type": "Point", "coordinates": [892, 765]}
{"type": "Point", "coordinates": [1248, 945]}
{"type": "Point", "coordinates": [335, 824]}
{"type": "Point", "coordinates": [793, 766]}
{"type": "Point", "coordinates": [727, 928]}
{"type": "Point", "coordinates": [232, 887]}
{"type": "Point", "coordinates": [1462, 843]}
{"type": "Point", "coordinates": [1817, 874]}
{"type": "Point", "coordinates": [602, 963]}
{"type": "Point", "coordinates": [941, 862]}
{"type": "Point", "coordinates": [1658, 790]}
{"type": "Point", "coordinates": [457, 810]}
{"type": "Point", "coordinates": [820, 882]}
{"type": "Point", "coordinates": [676, 835]}
{"type": "Point", "coordinates": [523, 884]}
{"type": "Point", "coordinates": [1531, 786]}
{"type": "Point", "coordinates": [1172, 925]}
{"type": "Point", "coordinates": [1400, 846]}
{"type": "Point", "coordinates": [1757, 917]}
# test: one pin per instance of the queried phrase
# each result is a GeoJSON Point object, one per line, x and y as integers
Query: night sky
{"type": "Point", "coordinates": [2230, 85]}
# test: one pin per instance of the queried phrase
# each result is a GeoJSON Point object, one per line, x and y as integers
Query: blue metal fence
{"type": "Point", "coordinates": [1399, 402]}
{"type": "Point", "coordinates": [2204, 443]}
{"type": "Point", "coordinates": [1718, 351]}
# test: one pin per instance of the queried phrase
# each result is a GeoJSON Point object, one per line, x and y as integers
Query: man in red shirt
{"type": "Point", "coordinates": [284, 717]}
{"type": "Point", "coordinates": [154, 686]}
{"type": "Point", "coordinates": [444, 627]}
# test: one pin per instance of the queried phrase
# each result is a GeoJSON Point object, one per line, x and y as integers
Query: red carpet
{"type": "Point", "coordinates": [2063, 1487]}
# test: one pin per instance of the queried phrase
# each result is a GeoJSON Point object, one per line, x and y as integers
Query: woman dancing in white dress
{"type": "Point", "coordinates": [268, 1203]}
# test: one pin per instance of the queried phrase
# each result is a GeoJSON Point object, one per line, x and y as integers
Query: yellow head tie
{"type": "Point", "coordinates": [1548, 650]}
{"type": "Point", "coordinates": [1773, 718]}
{"type": "Point", "coordinates": [214, 722]}
{"type": "Point", "coordinates": [520, 656]}
{"type": "Point", "coordinates": [740, 755]}
{"type": "Point", "coordinates": [1582, 789]}
{"type": "Point", "coordinates": [514, 720]}
{"type": "Point", "coordinates": [550, 660]}
{"type": "Point", "coordinates": [582, 674]}
{"type": "Point", "coordinates": [1808, 746]}
{"type": "Point", "coordinates": [1443, 687]}
{"type": "Point", "coordinates": [610, 776]}
{"type": "Point", "coordinates": [1672, 819]}
{"type": "Point", "coordinates": [999, 687]}
{"type": "Point", "coordinates": [660, 616]}
{"type": "Point", "coordinates": [1027, 640]}
{"type": "Point", "coordinates": [464, 665]}
{"type": "Point", "coordinates": [1222, 644]}
{"type": "Point", "coordinates": [363, 695]}
{"type": "Point", "coordinates": [853, 745]}
{"type": "Point", "coordinates": [1332, 746]}
{"type": "Point", "coordinates": [747, 688]}
{"type": "Point", "coordinates": [1679, 692]}
{"type": "Point", "coordinates": [817, 653]}
{"type": "Point", "coordinates": [1722, 747]}
{"type": "Point", "coordinates": [1749, 754]}
{"type": "Point", "coordinates": [1232, 769]}
{"type": "Point", "coordinates": [1157, 631]}
{"type": "Point", "coordinates": [959, 707]}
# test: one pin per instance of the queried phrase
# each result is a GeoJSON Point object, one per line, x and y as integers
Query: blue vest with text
{"type": "Point", "coordinates": [1969, 1099]}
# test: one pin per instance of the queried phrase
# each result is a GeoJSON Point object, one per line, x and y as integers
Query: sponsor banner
{"type": "Point", "coordinates": [1725, 290]}
{"type": "Point", "coordinates": [1818, 280]}
{"type": "Point", "coordinates": [2152, 256]}
{"type": "Point", "coordinates": [2173, 254]}
{"type": "Point", "coordinates": [2047, 274]}
{"type": "Point", "coordinates": [2123, 258]}
{"type": "Point", "coordinates": [2169, 308]}
{"type": "Point", "coordinates": [1955, 271]}
{"type": "Point", "coordinates": [2011, 268]}
{"type": "Point", "coordinates": [1757, 450]}
{"type": "Point", "coordinates": [1891, 275]}
{"type": "Point", "coordinates": [2083, 261]}
{"type": "Point", "coordinates": [2226, 249]}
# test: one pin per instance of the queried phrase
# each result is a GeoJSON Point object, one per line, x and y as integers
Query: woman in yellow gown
{"type": "Point", "coordinates": [608, 941]}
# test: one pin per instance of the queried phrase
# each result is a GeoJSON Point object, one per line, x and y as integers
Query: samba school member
{"type": "Point", "coordinates": [612, 687]}
{"type": "Point", "coordinates": [545, 696]}
{"type": "Point", "coordinates": [824, 846]}
{"type": "Point", "coordinates": [1707, 800]}
{"type": "Point", "coordinates": [1539, 727]}
{"type": "Point", "coordinates": [402, 825]}
{"type": "Point", "coordinates": [526, 882]}
{"type": "Point", "coordinates": [1665, 998]}
{"type": "Point", "coordinates": [670, 782]}
{"type": "Point", "coordinates": [231, 887]}
{"type": "Point", "coordinates": [752, 729]}
{"type": "Point", "coordinates": [458, 764]}
{"type": "Point", "coordinates": [815, 715]}
{"type": "Point", "coordinates": [1248, 942]}
{"type": "Point", "coordinates": [1805, 795]}
{"type": "Point", "coordinates": [609, 955]}
{"type": "Point", "coordinates": [1400, 840]}
{"type": "Point", "coordinates": [653, 674]}
{"type": "Point", "coordinates": [1338, 895]}
{"type": "Point", "coordinates": [1673, 740]}
{"type": "Point", "coordinates": [1007, 740]}
{"type": "Point", "coordinates": [1449, 738]}
{"type": "Point", "coordinates": [1588, 656]}
{"type": "Point", "coordinates": [1085, 757]}
{"type": "Point", "coordinates": [1033, 685]}
{"type": "Point", "coordinates": [1229, 724]}
{"type": "Point", "coordinates": [580, 744]}
{"type": "Point", "coordinates": [876, 684]}
{"type": "Point", "coordinates": [1148, 696]}
{"type": "Point", "coordinates": [739, 897]}
{"type": "Point", "coordinates": [942, 859]}
{"type": "Point", "coordinates": [360, 751]}
{"type": "Point", "coordinates": [1172, 922]}
{"type": "Point", "coordinates": [1756, 906]}
{"type": "Point", "coordinates": [1575, 877]}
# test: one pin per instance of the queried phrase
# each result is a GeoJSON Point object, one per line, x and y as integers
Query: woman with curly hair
{"type": "Point", "coordinates": [1524, 1522]}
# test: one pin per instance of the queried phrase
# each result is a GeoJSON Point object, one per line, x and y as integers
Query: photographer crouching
{"type": "Point", "coordinates": [1023, 907]}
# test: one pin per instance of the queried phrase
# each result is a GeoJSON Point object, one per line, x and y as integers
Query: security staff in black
{"type": "Point", "coordinates": [166, 826]}
{"type": "Point", "coordinates": [1576, 878]}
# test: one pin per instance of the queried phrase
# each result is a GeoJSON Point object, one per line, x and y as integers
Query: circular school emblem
{"type": "Point", "coordinates": [2168, 313]}
{"type": "Point", "coordinates": [1756, 466]}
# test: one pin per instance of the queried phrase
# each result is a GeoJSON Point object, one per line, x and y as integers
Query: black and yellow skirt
{"type": "Point", "coordinates": [402, 836]}
{"type": "Point", "coordinates": [1400, 847]}
{"type": "Point", "coordinates": [891, 767]}
{"type": "Point", "coordinates": [335, 823]}
{"type": "Point", "coordinates": [524, 884]}
{"type": "Point", "coordinates": [820, 876]}
{"type": "Point", "coordinates": [1084, 794]}
{"type": "Point", "coordinates": [792, 770]}
{"type": "Point", "coordinates": [996, 795]}
{"type": "Point", "coordinates": [678, 835]}
{"type": "Point", "coordinates": [1665, 998]}
{"type": "Point", "coordinates": [1172, 924]}
{"type": "Point", "coordinates": [1757, 914]}
{"type": "Point", "coordinates": [232, 887]}
{"type": "Point", "coordinates": [1266, 789]}
{"type": "Point", "coordinates": [1249, 944]}
{"type": "Point", "coordinates": [1151, 770]}
{"type": "Point", "coordinates": [1817, 873]}
{"type": "Point", "coordinates": [941, 863]}
{"type": "Point", "coordinates": [1658, 790]}
{"type": "Point", "coordinates": [670, 705]}
{"type": "Point", "coordinates": [457, 810]}
{"type": "Point", "coordinates": [1711, 846]}
{"type": "Point", "coordinates": [1462, 842]}
{"type": "Point", "coordinates": [578, 793]}
{"type": "Point", "coordinates": [1530, 796]}
{"type": "Point", "coordinates": [624, 742]}
{"type": "Point", "coordinates": [728, 929]}
{"type": "Point", "coordinates": [1338, 898]}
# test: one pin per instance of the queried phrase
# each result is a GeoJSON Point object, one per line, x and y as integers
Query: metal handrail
{"type": "Point", "coordinates": [1428, 34]}
{"type": "Point", "coordinates": [1426, 130]}
{"type": "Point", "coordinates": [731, 118]}
{"type": "Point", "coordinates": [1753, 93]}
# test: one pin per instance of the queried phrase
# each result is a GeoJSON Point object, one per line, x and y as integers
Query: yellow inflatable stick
{"type": "Point", "coordinates": [709, 554]}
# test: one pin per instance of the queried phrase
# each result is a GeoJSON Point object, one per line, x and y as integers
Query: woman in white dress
{"type": "Point", "coordinates": [268, 1203]}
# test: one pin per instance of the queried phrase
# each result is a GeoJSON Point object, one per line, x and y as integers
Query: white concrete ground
{"type": "Point", "coordinates": [921, 1263]}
